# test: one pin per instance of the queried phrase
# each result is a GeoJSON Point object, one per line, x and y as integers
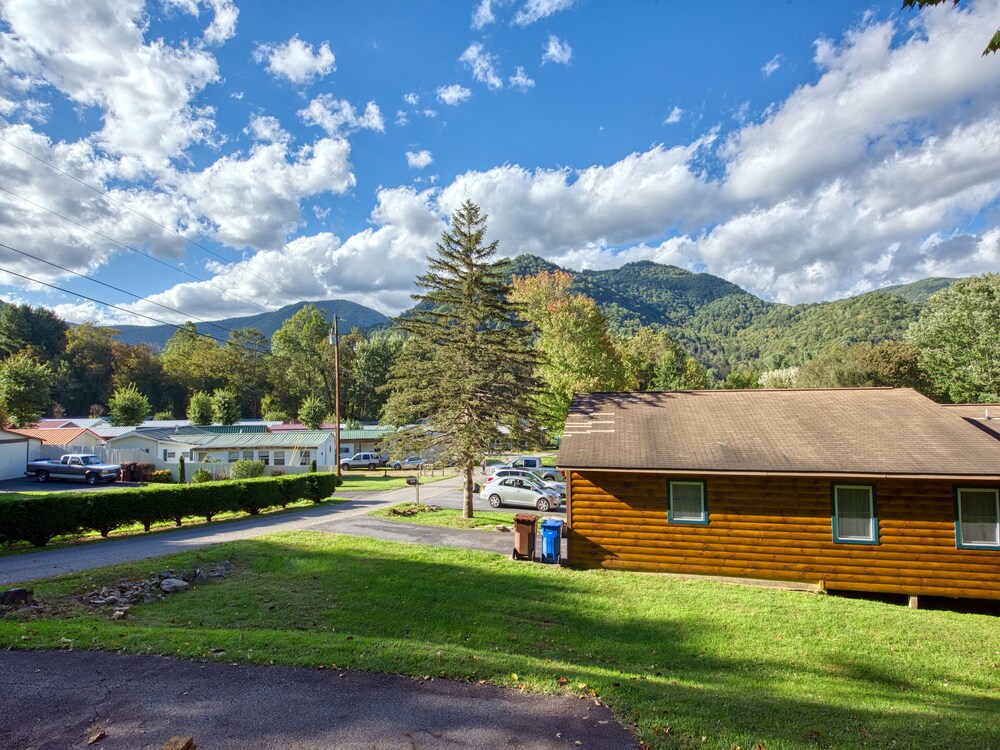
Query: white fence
{"type": "Point", "coordinates": [107, 455]}
{"type": "Point", "coordinates": [221, 468]}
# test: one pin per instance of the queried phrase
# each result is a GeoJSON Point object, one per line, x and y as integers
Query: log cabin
{"type": "Point", "coordinates": [859, 489]}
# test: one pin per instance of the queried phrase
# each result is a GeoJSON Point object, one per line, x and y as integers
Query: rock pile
{"type": "Point", "coordinates": [129, 593]}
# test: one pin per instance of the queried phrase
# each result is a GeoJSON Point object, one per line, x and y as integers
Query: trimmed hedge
{"type": "Point", "coordinates": [39, 518]}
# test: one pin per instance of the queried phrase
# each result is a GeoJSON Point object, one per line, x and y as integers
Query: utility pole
{"type": "Point", "coordinates": [335, 343]}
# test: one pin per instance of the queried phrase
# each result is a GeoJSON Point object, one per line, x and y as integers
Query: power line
{"type": "Point", "coordinates": [107, 196]}
{"type": "Point", "coordinates": [117, 289]}
{"type": "Point", "coordinates": [132, 312]}
{"type": "Point", "coordinates": [133, 249]}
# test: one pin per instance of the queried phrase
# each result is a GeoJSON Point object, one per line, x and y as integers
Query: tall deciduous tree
{"type": "Point", "coordinates": [467, 367]}
{"type": "Point", "coordinates": [373, 358]}
{"type": "Point", "coordinates": [958, 337]}
{"type": "Point", "coordinates": [25, 385]}
{"type": "Point", "coordinates": [193, 361]}
{"type": "Point", "coordinates": [84, 378]}
{"type": "Point", "coordinates": [303, 357]}
{"type": "Point", "coordinates": [245, 369]}
{"type": "Point", "coordinates": [36, 329]}
{"type": "Point", "coordinates": [127, 406]}
{"type": "Point", "coordinates": [576, 351]}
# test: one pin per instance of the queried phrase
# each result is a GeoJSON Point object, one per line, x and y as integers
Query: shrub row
{"type": "Point", "coordinates": [38, 518]}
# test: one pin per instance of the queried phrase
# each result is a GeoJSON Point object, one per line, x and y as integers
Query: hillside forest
{"type": "Point", "coordinates": [642, 326]}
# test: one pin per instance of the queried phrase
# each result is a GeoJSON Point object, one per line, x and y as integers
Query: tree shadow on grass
{"type": "Point", "coordinates": [635, 642]}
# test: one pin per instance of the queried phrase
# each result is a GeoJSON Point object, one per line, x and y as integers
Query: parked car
{"type": "Point", "coordinates": [518, 491]}
{"type": "Point", "coordinates": [534, 465]}
{"type": "Point", "coordinates": [559, 487]}
{"type": "Point", "coordinates": [83, 466]}
{"type": "Point", "coordinates": [410, 462]}
{"type": "Point", "coordinates": [370, 461]}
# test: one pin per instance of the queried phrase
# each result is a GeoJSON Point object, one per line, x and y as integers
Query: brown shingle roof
{"type": "Point", "coordinates": [984, 416]}
{"type": "Point", "coordinates": [818, 431]}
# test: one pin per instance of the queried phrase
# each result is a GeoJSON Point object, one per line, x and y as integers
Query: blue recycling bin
{"type": "Point", "coordinates": [551, 540]}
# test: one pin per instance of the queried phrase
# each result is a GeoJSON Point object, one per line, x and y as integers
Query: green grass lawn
{"type": "Point", "coordinates": [685, 663]}
{"type": "Point", "coordinates": [448, 518]}
{"type": "Point", "coordinates": [378, 480]}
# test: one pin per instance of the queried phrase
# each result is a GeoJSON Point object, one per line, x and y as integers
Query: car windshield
{"type": "Point", "coordinates": [91, 460]}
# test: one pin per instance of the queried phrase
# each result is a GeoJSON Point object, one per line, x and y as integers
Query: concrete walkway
{"type": "Point", "coordinates": [61, 699]}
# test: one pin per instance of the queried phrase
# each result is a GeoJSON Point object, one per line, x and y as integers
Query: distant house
{"type": "Point", "coordinates": [360, 440]}
{"type": "Point", "coordinates": [167, 445]}
{"type": "Point", "coordinates": [878, 490]}
{"type": "Point", "coordinates": [16, 450]}
{"type": "Point", "coordinates": [70, 437]}
{"type": "Point", "coordinates": [293, 448]}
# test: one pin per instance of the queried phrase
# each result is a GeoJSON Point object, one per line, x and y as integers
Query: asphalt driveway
{"type": "Point", "coordinates": [62, 699]}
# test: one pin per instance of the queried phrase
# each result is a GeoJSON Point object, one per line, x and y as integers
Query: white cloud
{"type": "Point", "coordinates": [453, 94]}
{"type": "Point", "coordinates": [482, 64]}
{"type": "Point", "coordinates": [266, 128]}
{"type": "Point", "coordinates": [557, 51]}
{"type": "Point", "coordinates": [412, 99]}
{"type": "Point", "coordinates": [535, 10]}
{"type": "Point", "coordinates": [483, 14]}
{"type": "Point", "coordinates": [338, 117]}
{"type": "Point", "coordinates": [402, 117]}
{"type": "Point", "coordinates": [419, 159]}
{"type": "Point", "coordinates": [223, 24]}
{"type": "Point", "coordinates": [771, 66]}
{"type": "Point", "coordinates": [674, 117]}
{"type": "Point", "coordinates": [429, 112]}
{"type": "Point", "coordinates": [96, 56]}
{"type": "Point", "coordinates": [520, 80]}
{"type": "Point", "coordinates": [296, 61]}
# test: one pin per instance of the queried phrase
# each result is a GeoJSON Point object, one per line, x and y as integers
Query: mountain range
{"type": "Point", "coordinates": [723, 325]}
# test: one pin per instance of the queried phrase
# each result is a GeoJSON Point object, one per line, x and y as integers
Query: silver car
{"type": "Point", "coordinates": [410, 462]}
{"type": "Point", "coordinates": [533, 479]}
{"type": "Point", "coordinates": [519, 491]}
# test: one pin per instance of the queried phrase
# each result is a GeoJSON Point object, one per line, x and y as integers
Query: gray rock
{"type": "Point", "coordinates": [503, 528]}
{"type": "Point", "coordinates": [199, 575]}
{"type": "Point", "coordinates": [148, 598]}
{"type": "Point", "coordinates": [173, 585]}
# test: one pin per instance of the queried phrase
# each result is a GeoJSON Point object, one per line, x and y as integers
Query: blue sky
{"type": "Point", "coordinates": [804, 150]}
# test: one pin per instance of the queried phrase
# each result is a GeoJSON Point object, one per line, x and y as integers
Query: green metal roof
{"type": "Point", "coordinates": [363, 434]}
{"type": "Point", "coordinates": [291, 439]}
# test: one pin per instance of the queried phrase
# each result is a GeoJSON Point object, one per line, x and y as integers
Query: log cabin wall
{"type": "Point", "coordinates": [780, 528]}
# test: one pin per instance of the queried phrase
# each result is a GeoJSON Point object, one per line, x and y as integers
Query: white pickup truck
{"type": "Point", "coordinates": [84, 466]}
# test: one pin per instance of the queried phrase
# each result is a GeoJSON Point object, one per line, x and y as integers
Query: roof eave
{"type": "Point", "coordinates": [816, 474]}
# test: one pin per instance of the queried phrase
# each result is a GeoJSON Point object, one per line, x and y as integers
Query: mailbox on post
{"type": "Point", "coordinates": [415, 483]}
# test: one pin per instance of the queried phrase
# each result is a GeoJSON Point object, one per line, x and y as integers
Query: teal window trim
{"type": "Point", "coordinates": [959, 544]}
{"type": "Point", "coordinates": [873, 514]}
{"type": "Point", "coordinates": [703, 521]}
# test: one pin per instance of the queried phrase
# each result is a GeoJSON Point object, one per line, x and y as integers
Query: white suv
{"type": "Point", "coordinates": [370, 461]}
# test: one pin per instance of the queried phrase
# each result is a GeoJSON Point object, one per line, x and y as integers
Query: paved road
{"type": "Point", "coordinates": [341, 518]}
{"type": "Point", "coordinates": [59, 699]}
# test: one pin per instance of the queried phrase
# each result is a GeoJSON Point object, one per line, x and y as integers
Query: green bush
{"type": "Point", "coordinates": [202, 475]}
{"type": "Point", "coordinates": [145, 471]}
{"type": "Point", "coordinates": [246, 468]}
{"type": "Point", "coordinates": [161, 476]}
{"type": "Point", "coordinates": [180, 470]}
{"type": "Point", "coordinates": [39, 518]}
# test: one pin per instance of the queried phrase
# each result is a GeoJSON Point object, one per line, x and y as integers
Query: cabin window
{"type": "Point", "coordinates": [264, 457]}
{"type": "Point", "coordinates": [854, 518]}
{"type": "Point", "coordinates": [977, 523]}
{"type": "Point", "coordinates": [279, 458]}
{"type": "Point", "coordinates": [686, 503]}
{"type": "Point", "coordinates": [248, 455]}
{"type": "Point", "coordinates": [233, 457]}
{"type": "Point", "coordinates": [306, 458]}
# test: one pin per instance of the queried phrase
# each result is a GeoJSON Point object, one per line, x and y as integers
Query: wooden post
{"type": "Point", "coordinates": [335, 343]}
{"type": "Point", "coordinates": [914, 603]}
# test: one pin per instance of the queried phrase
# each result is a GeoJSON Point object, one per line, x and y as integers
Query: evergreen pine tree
{"type": "Point", "coordinates": [467, 365]}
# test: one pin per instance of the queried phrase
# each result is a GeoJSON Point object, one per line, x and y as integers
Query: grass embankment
{"type": "Point", "coordinates": [691, 664]}
{"type": "Point", "coordinates": [379, 480]}
{"type": "Point", "coordinates": [448, 518]}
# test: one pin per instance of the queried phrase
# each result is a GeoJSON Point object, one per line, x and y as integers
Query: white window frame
{"type": "Point", "coordinates": [959, 542]}
{"type": "Point", "coordinates": [279, 458]}
{"type": "Point", "coordinates": [702, 520]}
{"type": "Point", "coordinates": [872, 537]}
